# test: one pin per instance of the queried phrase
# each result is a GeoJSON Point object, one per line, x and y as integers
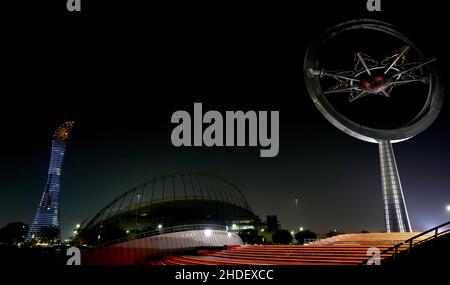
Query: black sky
{"type": "Point", "coordinates": [121, 70]}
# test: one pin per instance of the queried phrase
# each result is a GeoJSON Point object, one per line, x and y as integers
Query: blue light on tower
{"type": "Point", "coordinates": [48, 212]}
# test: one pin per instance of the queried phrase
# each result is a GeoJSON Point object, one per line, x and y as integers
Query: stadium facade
{"type": "Point", "coordinates": [48, 211]}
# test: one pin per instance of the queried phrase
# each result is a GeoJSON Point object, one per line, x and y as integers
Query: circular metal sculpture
{"type": "Point", "coordinates": [389, 93]}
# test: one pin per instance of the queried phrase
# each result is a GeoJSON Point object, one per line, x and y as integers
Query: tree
{"type": "Point", "coordinates": [48, 235]}
{"type": "Point", "coordinates": [13, 233]}
{"type": "Point", "coordinates": [333, 233]}
{"type": "Point", "coordinates": [306, 234]}
{"type": "Point", "coordinates": [250, 236]}
{"type": "Point", "coordinates": [282, 237]}
{"type": "Point", "coordinates": [112, 232]}
{"type": "Point", "coordinates": [266, 236]}
{"type": "Point", "coordinates": [85, 236]}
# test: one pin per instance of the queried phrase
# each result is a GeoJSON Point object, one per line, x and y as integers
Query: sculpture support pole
{"type": "Point", "coordinates": [395, 212]}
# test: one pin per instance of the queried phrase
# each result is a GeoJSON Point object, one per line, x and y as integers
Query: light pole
{"type": "Point", "coordinates": [296, 211]}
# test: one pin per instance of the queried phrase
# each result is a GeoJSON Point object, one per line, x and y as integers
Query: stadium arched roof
{"type": "Point", "coordinates": [180, 186]}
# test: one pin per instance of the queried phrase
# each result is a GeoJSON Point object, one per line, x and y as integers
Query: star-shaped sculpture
{"type": "Point", "coordinates": [370, 76]}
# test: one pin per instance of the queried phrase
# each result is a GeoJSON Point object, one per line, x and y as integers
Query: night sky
{"type": "Point", "coordinates": [121, 71]}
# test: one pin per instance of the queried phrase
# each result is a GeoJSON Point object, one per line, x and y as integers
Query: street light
{"type": "Point", "coordinates": [78, 226]}
{"type": "Point", "coordinates": [448, 208]}
{"type": "Point", "coordinates": [301, 229]}
{"type": "Point", "coordinates": [159, 226]}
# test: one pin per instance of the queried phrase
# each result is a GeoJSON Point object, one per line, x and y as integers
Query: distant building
{"type": "Point", "coordinates": [48, 214]}
{"type": "Point", "coordinates": [272, 223]}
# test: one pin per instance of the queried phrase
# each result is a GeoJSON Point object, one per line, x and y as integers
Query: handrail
{"type": "Point", "coordinates": [165, 230]}
{"type": "Point", "coordinates": [431, 237]}
{"type": "Point", "coordinates": [410, 241]}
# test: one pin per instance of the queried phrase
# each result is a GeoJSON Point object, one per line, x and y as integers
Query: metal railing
{"type": "Point", "coordinates": [163, 230]}
{"type": "Point", "coordinates": [410, 242]}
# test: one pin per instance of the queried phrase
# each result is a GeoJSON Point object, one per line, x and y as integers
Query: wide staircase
{"type": "Point", "coordinates": [345, 249]}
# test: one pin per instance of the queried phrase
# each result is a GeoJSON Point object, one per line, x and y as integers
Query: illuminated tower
{"type": "Point", "coordinates": [48, 214]}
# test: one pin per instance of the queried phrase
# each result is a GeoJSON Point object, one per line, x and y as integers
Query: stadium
{"type": "Point", "coordinates": [166, 215]}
